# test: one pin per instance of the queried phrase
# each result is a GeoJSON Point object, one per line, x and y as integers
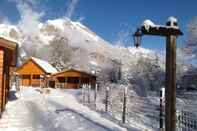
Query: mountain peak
{"type": "Point", "coordinates": [79, 36]}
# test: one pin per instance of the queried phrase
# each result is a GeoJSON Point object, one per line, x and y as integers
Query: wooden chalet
{"type": "Point", "coordinates": [34, 72]}
{"type": "Point", "coordinates": [71, 79]}
{"type": "Point", "coordinates": [8, 59]}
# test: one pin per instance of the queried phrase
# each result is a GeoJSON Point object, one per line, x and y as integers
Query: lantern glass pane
{"type": "Point", "coordinates": [137, 40]}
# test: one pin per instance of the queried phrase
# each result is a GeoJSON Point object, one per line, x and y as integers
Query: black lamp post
{"type": "Point", "coordinates": [171, 31]}
{"type": "Point", "coordinates": [137, 36]}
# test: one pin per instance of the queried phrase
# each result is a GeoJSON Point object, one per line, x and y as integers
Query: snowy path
{"type": "Point", "coordinates": [57, 111]}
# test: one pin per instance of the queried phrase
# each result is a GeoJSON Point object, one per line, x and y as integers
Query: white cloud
{"type": "Point", "coordinates": [3, 19]}
{"type": "Point", "coordinates": [32, 2]}
{"type": "Point", "coordinates": [30, 19]}
{"type": "Point", "coordinates": [71, 8]}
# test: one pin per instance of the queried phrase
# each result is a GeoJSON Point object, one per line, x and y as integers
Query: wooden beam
{"type": "Point", "coordinates": [161, 31]}
{"type": "Point", "coordinates": [8, 44]}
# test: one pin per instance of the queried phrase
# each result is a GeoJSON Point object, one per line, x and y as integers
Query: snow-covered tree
{"type": "Point", "coordinates": [31, 45]}
{"type": "Point", "coordinates": [147, 75]}
{"type": "Point", "coordinates": [60, 52]}
{"type": "Point", "coordinates": [190, 46]}
{"type": "Point", "coordinates": [186, 54]}
{"type": "Point", "coordinates": [181, 66]}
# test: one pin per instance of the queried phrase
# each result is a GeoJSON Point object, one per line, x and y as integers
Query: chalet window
{"type": "Point", "coordinates": [37, 77]}
{"type": "Point", "coordinates": [73, 80]}
{"type": "Point", "coordinates": [61, 79]}
{"type": "Point", "coordinates": [26, 76]}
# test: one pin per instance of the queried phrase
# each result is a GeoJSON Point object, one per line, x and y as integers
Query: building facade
{"type": "Point", "coordinates": [8, 60]}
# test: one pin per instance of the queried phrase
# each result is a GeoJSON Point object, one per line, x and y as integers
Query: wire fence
{"type": "Point", "coordinates": [122, 105]}
{"type": "Point", "coordinates": [187, 112]}
{"type": "Point", "coordinates": [186, 121]}
{"type": "Point", "coordinates": [125, 106]}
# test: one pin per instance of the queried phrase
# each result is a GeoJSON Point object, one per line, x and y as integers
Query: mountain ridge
{"type": "Point", "coordinates": [79, 37]}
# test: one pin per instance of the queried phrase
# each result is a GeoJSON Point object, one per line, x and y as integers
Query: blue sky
{"type": "Point", "coordinates": [110, 19]}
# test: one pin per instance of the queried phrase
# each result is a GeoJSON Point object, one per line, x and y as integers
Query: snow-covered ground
{"type": "Point", "coordinates": [142, 112]}
{"type": "Point", "coordinates": [58, 110]}
{"type": "Point", "coordinates": [35, 109]}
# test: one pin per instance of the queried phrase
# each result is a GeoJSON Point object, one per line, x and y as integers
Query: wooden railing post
{"type": "Point", "coordinates": [107, 99]}
{"type": "Point", "coordinates": [89, 89]}
{"type": "Point", "coordinates": [83, 93]}
{"type": "Point", "coordinates": [95, 94]}
{"type": "Point", "coordinates": [161, 116]}
{"type": "Point", "coordinates": [124, 105]}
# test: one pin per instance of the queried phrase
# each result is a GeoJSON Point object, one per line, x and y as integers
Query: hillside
{"type": "Point", "coordinates": [78, 35]}
{"type": "Point", "coordinates": [66, 43]}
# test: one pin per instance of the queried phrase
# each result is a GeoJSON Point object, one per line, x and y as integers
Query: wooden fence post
{"type": "Point", "coordinates": [161, 116]}
{"type": "Point", "coordinates": [83, 94]}
{"type": "Point", "coordinates": [107, 99]}
{"type": "Point", "coordinates": [95, 95]}
{"type": "Point", "coordinates": [89, 88]}
{"type": "Point", "coordinates": [124, 105]}
{"type": "Point", "coordinates": [86, 95]}
{"type": "Point", "coordinates": [17, 83]}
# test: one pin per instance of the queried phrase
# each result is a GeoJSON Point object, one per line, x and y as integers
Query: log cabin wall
{"type": "Point", "coordinates": [5, 61]}
{"type": "Point", "coordinates": [6, 73]}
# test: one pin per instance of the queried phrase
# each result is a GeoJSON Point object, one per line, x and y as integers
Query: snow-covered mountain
{"type": "Point", "coordinates": [98, 50]}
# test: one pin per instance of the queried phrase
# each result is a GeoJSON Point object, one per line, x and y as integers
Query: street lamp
{"type": "Point", "coordinates": [137, 36]}
{"type": "Point", "coordinates": [171, 31]}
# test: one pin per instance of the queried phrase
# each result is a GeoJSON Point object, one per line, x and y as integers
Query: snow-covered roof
{"type": "Point", "coordinates": [48, 68]}
{"type": "Point", "coordinates": [6, 30]}
{"type": "Point", "coordinates": [75, 70]}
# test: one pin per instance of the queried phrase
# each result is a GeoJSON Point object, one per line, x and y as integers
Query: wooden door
{"type": "Point", "coordinates": [52, 84]}
{"type": "Point", "coordinates": [26, 80]}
